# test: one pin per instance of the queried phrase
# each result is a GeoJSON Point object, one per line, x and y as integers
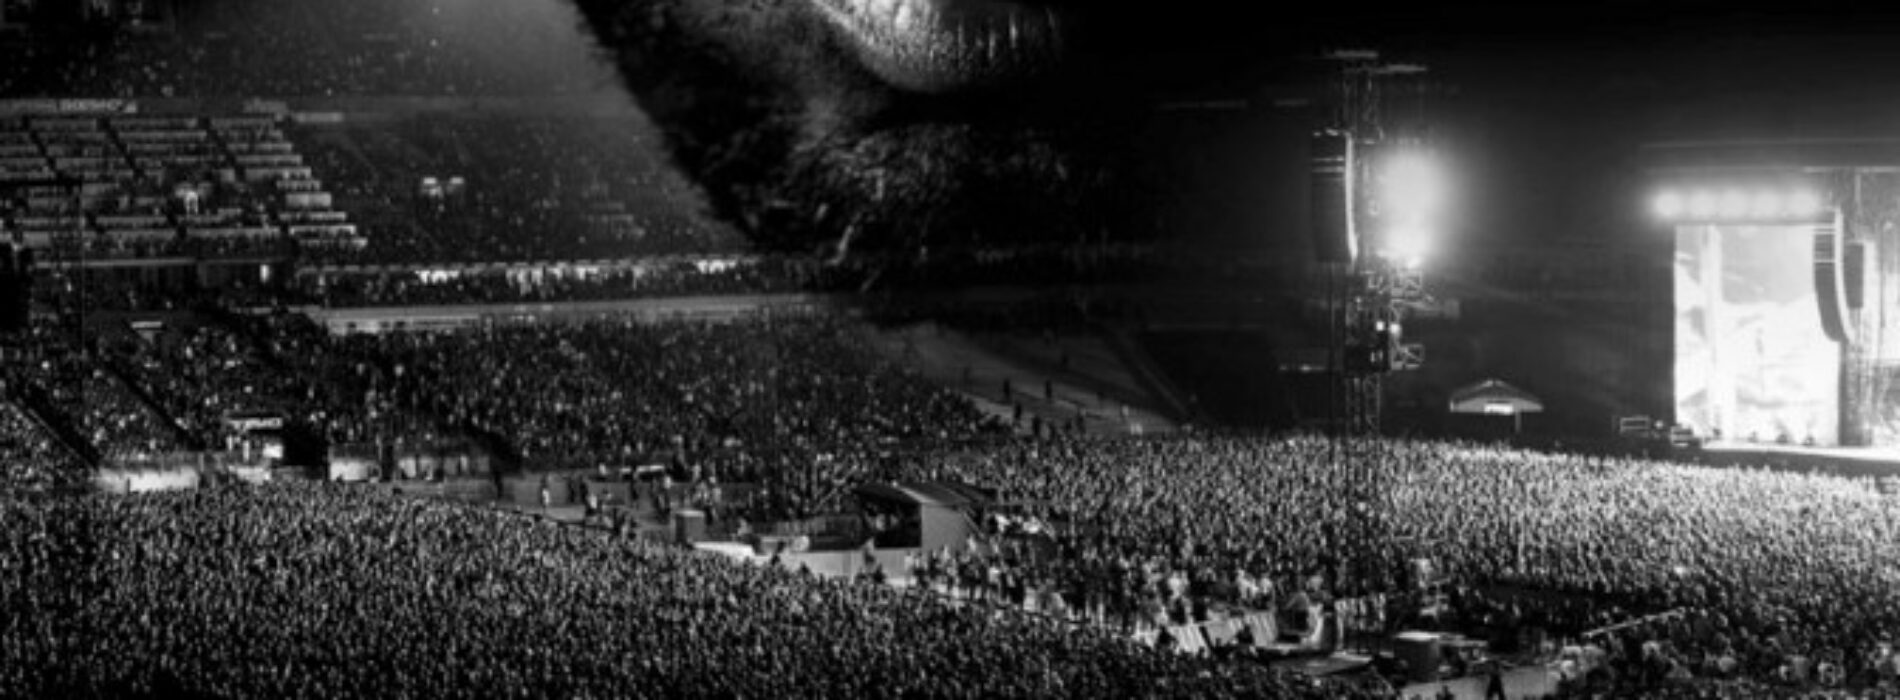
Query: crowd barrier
{"type": "Point", "coordinates": [1646, 619]}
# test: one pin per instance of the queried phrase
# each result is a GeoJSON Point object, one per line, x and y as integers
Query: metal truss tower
{"type": "Point", "coordinates": [1369, 295]}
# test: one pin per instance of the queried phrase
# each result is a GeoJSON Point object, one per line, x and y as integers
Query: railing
{"type": "Point", "coordinates": [1646, 619]}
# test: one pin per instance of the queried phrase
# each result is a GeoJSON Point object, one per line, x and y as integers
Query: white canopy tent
{"type": "Point", "coordinates": [1495, 397]}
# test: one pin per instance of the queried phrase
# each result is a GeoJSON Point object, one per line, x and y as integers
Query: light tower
{"type": "Point", "coordinates": [1393, 192]}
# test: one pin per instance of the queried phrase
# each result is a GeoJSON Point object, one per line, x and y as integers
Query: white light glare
{"type": "Point", "coordinates": [1408, 245]}
{"type": "Point", "coordinates": [1804, 204]}
{"type": "Point", "coordinates": [1669, 204]}
{"type": "Point", "coordinates": [1734, 204]}
{"type": "Point", "coordinates": [1414, 186]}
{"type": "Point", "coordinates": [1702, 205]}
{"type": "Point", "coordinates": [1766, 205]}
{"type": "Point", "coordinates": [1737, 204]}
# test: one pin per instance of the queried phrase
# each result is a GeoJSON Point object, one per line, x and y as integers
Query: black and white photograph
{"type": "Point", "coordinates": [836, 349]}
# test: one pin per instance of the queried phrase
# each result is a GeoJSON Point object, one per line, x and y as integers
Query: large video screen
{"type": "Point", "coordinates": [1752, 362]}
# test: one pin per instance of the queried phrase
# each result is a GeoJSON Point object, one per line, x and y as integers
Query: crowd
{"type": "Point", "coordinates": [647, 279]}
{"type": "Point", "coordinates": [1771, 575]}
{"type": "Point", "coordinates": [31, 460]}
{"type": "Point", "coordinates": [49, 371]}
{"type": "Point", "coordinates": [202, 373]}
{"type": "Point", "coordinates": [173, 244]}
{"type": "Point", "coordinates": [743, 395]}
{"type": "Point", "coordinates": [144, 290]}
{"type": "Point", "coordinates": [1774, 579]}
{"type": "Point", "coordinates": [302, 590]}
{"type": "Point", "coordinates": [604, 391]}
{"type": "Point", "coordinates": [106, 412]}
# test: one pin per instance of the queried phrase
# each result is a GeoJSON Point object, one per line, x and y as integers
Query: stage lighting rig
{"type": "Point", "coordinates": [1740, 203]}
{"type": "Point", "coordinates": [1395, 194]}
{"type": "Point", "coordinates": [1408, 198]}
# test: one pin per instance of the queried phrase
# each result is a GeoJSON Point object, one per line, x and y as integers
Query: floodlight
{"type": "Point", "coordinates": [1413, 185]}
{"type": "Point", "coordinates": [1702, 205]}
{"type": "Point", "coordinates": [1669, 204]}
{"type": "Point", "coordinates": [1733, 205]}
{"type": "Point", "coordinates": [1408, 245]}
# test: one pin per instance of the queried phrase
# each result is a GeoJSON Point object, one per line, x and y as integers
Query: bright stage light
{"type": "Point", "coordinates": [1407, 245]}
{"type": "Point", "coordinates": [1733, 205]}
{"type": "Point", "coordinates": [1804, 204]}
{"type": "Point", "coordinates": [1702, 205]}
{"type": "Point", "coordinates": [1736, 203]}
{"type": "Point", "coordinates": [1413, 186]}
{"type": "Point", "coordinates": [1669, 205]}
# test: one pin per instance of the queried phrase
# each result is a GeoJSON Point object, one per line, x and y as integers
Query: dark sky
{"type": "Point", "coordinates": [1545, 111]}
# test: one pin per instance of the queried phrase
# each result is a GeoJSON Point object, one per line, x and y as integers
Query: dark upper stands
{"type": "Point", "coordinates": [440, 188]}
{"type": "Point", "coordinates": [278, 48]}
{"type": "Point", "coordinates": [118, 187]}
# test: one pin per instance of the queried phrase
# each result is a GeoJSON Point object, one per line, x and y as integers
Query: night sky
{"type": "Point", "coordinates": [1545, 112]}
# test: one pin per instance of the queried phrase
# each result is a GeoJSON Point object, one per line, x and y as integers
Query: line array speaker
{"type": "Point", "coordinates": [1830, 290]}
{"type": "Point", "coordinates": [1332, 161]}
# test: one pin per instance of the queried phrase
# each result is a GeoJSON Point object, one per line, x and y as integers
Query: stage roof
{"type": "Point", "coordinates": [1775, 154]}
{"type": "Point", "coordinates": [1494, 396]}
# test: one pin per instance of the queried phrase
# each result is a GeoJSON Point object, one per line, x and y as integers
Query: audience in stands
{"type": "Point", "coordinates": [32, 461]}
{"type": "Point", "coordinates": [562, 283]}
{"type": "Point", "coordinates": [1766, 581]}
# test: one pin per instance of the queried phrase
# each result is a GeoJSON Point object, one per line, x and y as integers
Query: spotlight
{"type": "Point", "coordinates": [1702, 205]}
{"type": "Point", "coordinates": [1734, 204]}
{"type": "Point", "coordinates": [1408, 245]}
{"type": "Point", "coordinates": [1669, 205]}
{"type": "Point", "coordinates": [1766, 205]}
{"type": "Point", "coordinates": [1413, 186]}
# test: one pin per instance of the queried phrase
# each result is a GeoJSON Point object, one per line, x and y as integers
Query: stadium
{"type": "Point", "coordinates": [946, 348]}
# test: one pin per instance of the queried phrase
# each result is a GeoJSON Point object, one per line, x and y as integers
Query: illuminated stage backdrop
{"type": "Point", "coordinates": [1752, 358]}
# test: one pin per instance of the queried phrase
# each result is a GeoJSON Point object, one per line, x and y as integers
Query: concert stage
{"type": "Point", "coordinates": [1786, 261]}
{"type": "Point", "coordinates": [1848, 461]}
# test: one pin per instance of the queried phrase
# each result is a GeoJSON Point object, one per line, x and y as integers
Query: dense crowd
{"type": "Point", "coordinates": [1764, 579]}
{"type": "Point", "coordinates": [31, 460]}
{"type": "Point", "coordinates": [602, 391]}
{"type": "Point", "coordinates": [50, 373]}
{"type": "Point", "coordinates": [108, 245]}
{"type": "Point", "coordinates": [1746, 583]}
{"type": "Point", "coordinates": [910, 281]}
{"type": "Point", "coordinates": [106, 412]}
{"type": "Point", "coordinates": [648, 279]}
{"type": "Point", "coordinates": [117, 290]}
{"type": "Point", "coordinates": [200, 374]}
{"type": "Point", "coordinates": [321, 591]}
{"type": "Point", "coordinates": [1771, 574]}
{"type": "Point", "coordinates": [743, 394]}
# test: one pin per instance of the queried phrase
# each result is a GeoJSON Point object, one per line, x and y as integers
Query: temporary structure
{"type": "Point", "coordinates": [1495, 397]}
{"type": "Point", "coordinates": [931, 515]}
